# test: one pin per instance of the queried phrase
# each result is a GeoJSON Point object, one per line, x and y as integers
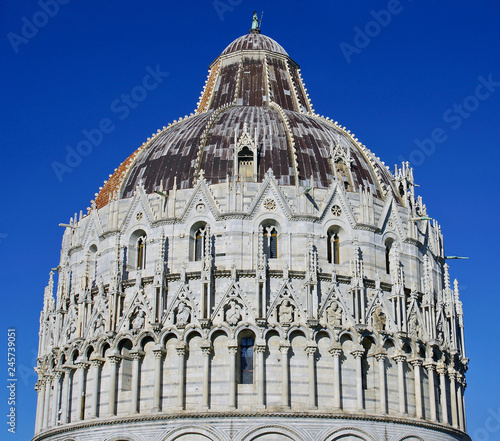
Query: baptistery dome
{"type": "Point", "coordinates": [253, 272]}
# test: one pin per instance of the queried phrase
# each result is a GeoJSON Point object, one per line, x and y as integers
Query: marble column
{"type": "Point", "coordinates": [233, 350]}
{"type": "Point", "coordinates": [311, 353]}
{"type": "Point", "coordinates": [453, 397]}
{"type": "Point", "coordinates": [158, 353]}
{"type": "Point", "coordinates": [181, 352]}
{"type": "Point", "coordinates": [417, 365]}
{"type": "Point", "coordinates": [80, 403]}
{"type": "Point", "coordinates": [285, 392]}
{"type": "Point", "coordinates": [381, 356]}
{"type": "Point", "coordinates": [96, 380]}
{"type": "Point", "coordinates": [460, 402]}
{"type": "Point", "coordinates": [56, 382]}
{"type": "Point", "coordinates": [114, 360]}
{"type": "Point", "coordinates": [40, 389]}
{"type": "Point", "coordinates": [358, 356]}
{"type": "Point", "coordinates": [400, 359]}
{"type": "Point", "coordinates": [206, 350]}
{"type": "Point", "coordinates": [46, 405]}
{"type": "Point", "coordinates": [136, 379]}
{"type": "Point", "coordinates": [65, 395]}
{"type": "Point", "coordinates": [442, 370]}
{"type": "Point", "coordinates": [431, 367]}
{"type": "Point", "coordinates": [335, 352]}
{"type": "Point", "coordinates": [464, 385]}
{"type": "Point", "coordinates": [260, 380]}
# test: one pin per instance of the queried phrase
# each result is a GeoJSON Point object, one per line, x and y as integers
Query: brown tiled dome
{"type": "Point", "coordinates": [252, 85]}
{"type": "Point", "coordinates": [254, 42]}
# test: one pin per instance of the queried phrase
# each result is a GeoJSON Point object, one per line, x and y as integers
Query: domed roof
{"type": "Point", "coordinates": [254, 42]}
{"type": "Point", "coordinates": [253, 88]}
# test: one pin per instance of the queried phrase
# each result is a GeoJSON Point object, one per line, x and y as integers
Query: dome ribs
{"type": "Point", "coordinates": [169, 155]}
{"type": "Point", "coordinates": [254, 42]}
{"type": "Point", "coordinates": [312, 155]}
{"type": "Point", "coordinates": [279, 86]}
{"type": "Point", "coordinates": [297, 89]}
{"type": "Point", "coordinates": [207, 132]}
{"type": "Point", "coordinates": [208, 89]}
{"type": "Point", "coordinates": [252, 89]}
{"type": "Point", "coordinates": [225, 86]}
{"type": "Point", "coordinates": [301, 93]}
{"type": "Point", "coordinates": [291, 142]}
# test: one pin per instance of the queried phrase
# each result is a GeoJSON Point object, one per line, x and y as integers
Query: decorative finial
{"type": "Point", "coordinates": [256, 23]}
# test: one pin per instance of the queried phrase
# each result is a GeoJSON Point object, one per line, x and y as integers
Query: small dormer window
{"type": "Point", "coordinates": [245, 164]}
{"type": "Point", "coordinates": [245, 157]}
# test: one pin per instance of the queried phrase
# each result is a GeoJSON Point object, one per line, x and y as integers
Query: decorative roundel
{"type": "Point", "coordinates": [200, 208]}
{"type": "Point", "coordinates": [270, 204]}
{"type": "Point", "coordinates": [336, 210]}
{"type": "Point", "coordinates": [390, 224]}
{"type": "Point", "coordinates": [139, 215]}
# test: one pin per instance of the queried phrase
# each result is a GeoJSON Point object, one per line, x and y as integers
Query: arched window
{"type": "Point", "coordinates": [246, 360]}
{"type": "Point", "coordinates": [333, 247]}
{"type": "Point", "coordinates": [199, 244]}
{"type": "Point", "coordinates": [91, 265]}
{"type": "Point", "coordinates": [388, 245]}
{"type": "Point", "coordinates": [141, 252]}
{"type": "Point", "coordinates": [245, 164]}
{"type": "Point", "coordinates": [270, 241]}
{"type": "Point", "coordinates": [134, 255]}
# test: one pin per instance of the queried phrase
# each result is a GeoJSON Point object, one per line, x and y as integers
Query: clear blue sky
{"type": "Point", "coordinates": [416, 76]}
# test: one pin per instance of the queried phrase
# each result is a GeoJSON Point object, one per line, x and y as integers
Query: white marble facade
{"type": "Point", "coordinates": [253, 311]}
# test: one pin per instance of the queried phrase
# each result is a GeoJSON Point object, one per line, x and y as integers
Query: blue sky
{"type": "Point", "coordinates": [421, 84]}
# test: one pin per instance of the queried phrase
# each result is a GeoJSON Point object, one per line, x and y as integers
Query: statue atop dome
{"type": "Point", "coordinates": [255, 24]}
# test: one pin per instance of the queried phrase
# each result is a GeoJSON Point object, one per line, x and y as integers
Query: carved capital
{"type": "Point", "coordinates": [357, 353]}
{"type": "Point", "coordinates": [82, 365]}
{"type": "Point", "coordinates": [97, 362]}
{"type": "Point", "coordinates": [206, 350]}
{"type": "Point", "coordinates": [311, 350]}
{"type": "Point", "coordinates": [335, 352]}
{"type": "Point", "coordinates": [430, 365]}
{"type": "Point", "coordinates": [158, 353]}
{"type": "Point", "coordinates": [68, 368]}
{"type": "Point", "coordinates": [205, 323]}
{"type": "Point", "coordinates": [48, 380]}
{"type": "Point", "coordinates": [416, 362]}
{"type": "Point", "coordinates": [380, 356]}
{"type": "Point", "coordinates": [114, 359]}
{"type": "Point", "coordinates": [442, 369]}
{"type": "Point", "coordinates": [335, 349]}
{"type": "Point", "coordinates": [312, 323]}
{"type": "Point", "coordinates": [233, 349]}
{"type": "Point", "coordinates": [399, 358]}
{"type": "Point", "coordinates": [181, 349]}
{"type": "Point", "coordinates": [284, 346]}
{"type": "Point", "coordinates": [136, 355]}
{"type": "Point", "coordinates": [260, 349]}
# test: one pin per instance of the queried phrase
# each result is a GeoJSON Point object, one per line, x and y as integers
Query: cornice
{"type": "Point", "coordinates": [311, 414]}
